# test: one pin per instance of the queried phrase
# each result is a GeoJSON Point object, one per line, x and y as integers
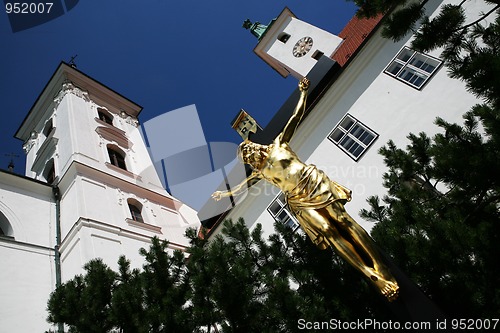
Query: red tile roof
{"type": "Point", "coordinates": [354, 34]}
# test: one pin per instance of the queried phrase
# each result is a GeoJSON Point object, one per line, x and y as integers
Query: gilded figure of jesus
{"type": "Point", "coordinates": [316, 201]}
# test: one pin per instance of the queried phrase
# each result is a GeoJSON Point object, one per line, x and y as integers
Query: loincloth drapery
{"type": "Point", "coordinates": [314, 190]}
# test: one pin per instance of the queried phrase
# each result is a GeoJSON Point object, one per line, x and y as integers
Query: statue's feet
{"type": "Point", "coordinates": [389, 289]}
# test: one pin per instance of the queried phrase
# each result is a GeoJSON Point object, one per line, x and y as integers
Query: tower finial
{"type": "Point", "coordinates": [257, 29]}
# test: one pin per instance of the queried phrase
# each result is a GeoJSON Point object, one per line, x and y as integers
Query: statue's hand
{"type": "Point", "coordinates": [304, 84]}
{"type": "Point", "coordinates": [217, 195]}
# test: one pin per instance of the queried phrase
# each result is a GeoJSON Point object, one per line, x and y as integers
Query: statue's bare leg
{"type": "Point", "coordinates": [364, 244]}
{"type": "Point", "coordinates": [347, 246]}
{"type": "Point", "coordinates": [359, 237]}
{"type": "Point", "coordinates": [321, 224]}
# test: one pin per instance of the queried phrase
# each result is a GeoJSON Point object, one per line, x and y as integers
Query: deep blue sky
{"type": "Point", "coordinates": [161, 54]}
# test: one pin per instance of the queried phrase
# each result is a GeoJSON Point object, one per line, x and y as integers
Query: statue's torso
{"type": "Point", "coordinates": [282, 167]}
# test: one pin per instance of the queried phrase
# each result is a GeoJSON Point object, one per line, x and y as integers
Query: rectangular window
{"type": "Point", "coordinates": [352, 136]}
{"type": "Point", "coordinates": [283, 37]}
{"type": "Point", "coordinates": [280, 212]}
{"type": "Point", "coordinates": [412, 67]}
{"type": "Point", "coordinates": [317, 55]}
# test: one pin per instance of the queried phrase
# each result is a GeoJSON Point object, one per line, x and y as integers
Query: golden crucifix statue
{"type": "Point", "coordinates": [316, 201]}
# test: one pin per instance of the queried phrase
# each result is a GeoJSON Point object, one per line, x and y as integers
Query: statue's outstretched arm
{"type": "Point", "coordinates": [237, 190]}
{"type": "Point", "coordinates": [294, 120]}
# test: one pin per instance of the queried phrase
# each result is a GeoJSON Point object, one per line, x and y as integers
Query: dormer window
{"type": "Point", "coordinates": [135, 210]}
{"type": "Point", "coordinates": [105, 116]}
{"type": "Point", "coordinates": [117, 157]}
{"type": "Point", "coordinates": [49, 126]}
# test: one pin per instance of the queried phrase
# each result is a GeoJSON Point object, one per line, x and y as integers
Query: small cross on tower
{"type": "Point", "coordinates": [11, 163]}
{"type": "Point", "coordinates": [72, 62]}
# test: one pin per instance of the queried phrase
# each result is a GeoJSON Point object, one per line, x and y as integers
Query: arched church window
{"type": "Point", "coordinates": [49, 126]}
{"type": "Point", "coordinates": [117, 157]}
{"type": "Point", "coordinates": [135, 210]}
{"type": "Point", "coordinates": [50, 172]}
{"type": "Point", "coordinates": [105, 116]}
{"type": "Point", "coordinates": [5, 227]}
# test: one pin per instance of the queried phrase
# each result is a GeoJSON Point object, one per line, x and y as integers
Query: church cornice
{"type": "Point", "coordinates": [83, 222]}
{"type": "Point", "coordinates": [127, 184]}
{"type": "Point", "coordinates": [89, 88]}
{"type": "Point", "coordinates": [143, 225]}
{"type": "Point", "coordinates": [69, 88]}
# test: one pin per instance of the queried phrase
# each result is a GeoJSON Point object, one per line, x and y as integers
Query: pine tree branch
{"type": "Point", "coordinates": [478, 20]}
{"type": "Point", "coordinates": [481, 204]}
{"type": "Point", "coordinates": [248, 249]}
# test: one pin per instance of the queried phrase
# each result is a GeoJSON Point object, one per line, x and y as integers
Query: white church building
{"type": "Point", "coordinates": [90, 190]}
{"type": "Point", "coordinates": [365, 90]}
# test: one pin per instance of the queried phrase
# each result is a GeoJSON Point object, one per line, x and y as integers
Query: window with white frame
{"type": "Point", "coordinates": [279, 211]}
{"type": "Point", "coordinates": [352, 136]}
{"type": "Point", "coordinates": [412, 67]}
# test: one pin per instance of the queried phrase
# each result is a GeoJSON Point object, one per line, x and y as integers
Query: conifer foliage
{"type": "Point", "coordinates": [441, 218]}
{"type": "Point", "coordinates": [236, 283]}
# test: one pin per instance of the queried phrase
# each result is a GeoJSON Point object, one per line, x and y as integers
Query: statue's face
{"type": "Point", "coordinates": [250, 153]}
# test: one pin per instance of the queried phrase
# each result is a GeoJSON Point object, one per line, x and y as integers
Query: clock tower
{"type": "Point", "coordinates": [291, 46]}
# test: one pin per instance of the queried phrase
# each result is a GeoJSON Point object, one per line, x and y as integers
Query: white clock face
{"type": "Point", "coordinates": [303, 46]}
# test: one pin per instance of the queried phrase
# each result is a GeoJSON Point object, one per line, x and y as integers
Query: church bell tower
{"type": "Point", "coordinates": [291, 46]}
{"type": "Point", "coordinates": [84, 139]}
